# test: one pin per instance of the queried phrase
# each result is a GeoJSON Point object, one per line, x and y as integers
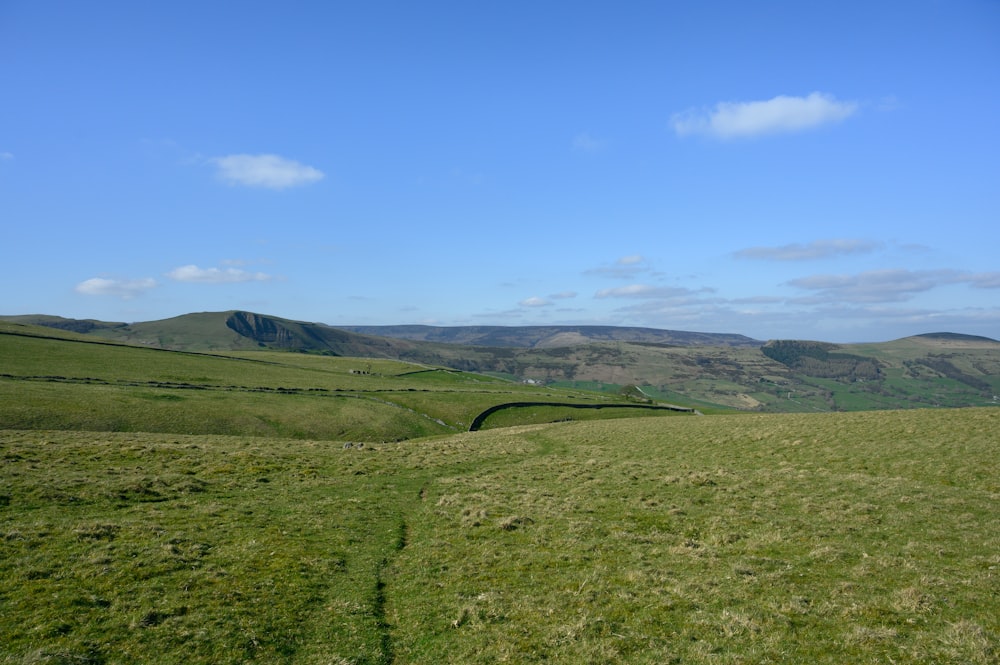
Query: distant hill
{"type": "Point", "coordinates": [236, 330]}
{"type": "Point", "coordinates": [701, 369]}
{"type": "Point", "coordinates": [957, 339]}
{"type": "Point", "coordinates": [84, 326]}
{"type": "Point", "coordinates": [208, 331]}
{"type": "Point", "coordinates": [227, 331]}
{"type": "Point", "coordinates": [543, 337]}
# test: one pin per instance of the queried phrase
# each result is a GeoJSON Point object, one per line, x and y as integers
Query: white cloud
{"type": "Point", "coordinates": [563, 295]}
{"type": "Point", "coordinates": [774, 116]}
{"type": "Point", "coordinates": [192, 273]}
{"type": "Point", "coordinates": [268, 171]}
{"type": "Point", "coordinates": [534, 301]}
{"type": "Point", "coordinates": [818, 249]}
{"type": "Point", "coordinates": [4, 156]}
{"type": "Point", "coordinates": [120, 288]}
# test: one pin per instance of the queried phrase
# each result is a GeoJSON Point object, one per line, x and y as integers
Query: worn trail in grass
{"type": "Point", "coordinates": [747, 539]}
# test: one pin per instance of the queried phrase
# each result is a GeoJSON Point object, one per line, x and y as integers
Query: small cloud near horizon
{"type": "Point", "coordinates": [267, 171]}
{"type": "Point", "coordinates": [642, 291]}
{"type": "Point", "coordinates": [874, 286]}
{"type": "Point", "coordinates": [625, 267]}
{"type": "Point", "coordinates": [781, 114]}
{"type": "Point", "coordinates": [534, 301]}
{"type": "Point", "coordinates": [192, 273]}
{"type": "Point", "coordinates": [881, 286]}
{"type": "Point", "coordinates": [817, 249]}
{"type": "Point", "coordinates": [126, 289]}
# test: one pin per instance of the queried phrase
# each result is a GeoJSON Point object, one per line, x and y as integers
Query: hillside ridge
{"type": "Point", "coordinates": [281, 332]}
{"type": "Point", "coordinates": [932, 370]}
{"type": "Point", "coordinates": [552, 335]}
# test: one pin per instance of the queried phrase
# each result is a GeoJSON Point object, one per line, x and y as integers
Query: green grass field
{"type": "Point", "coordinates": [160, 507]}
{"type": "Point", "coordinates": [831, 538]}
{"type": "Point", "coordinates": [61, 381]}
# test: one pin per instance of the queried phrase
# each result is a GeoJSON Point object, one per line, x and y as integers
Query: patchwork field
{"type": "Point", "coordinates": [830, 538]}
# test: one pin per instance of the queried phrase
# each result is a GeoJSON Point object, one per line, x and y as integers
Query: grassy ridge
{"type": "Point", "coordinates": [59, 380]}
{"type": "Point", "coordinates": [831, 538]}
{"type": "Point", "coordinates": [935, 370]}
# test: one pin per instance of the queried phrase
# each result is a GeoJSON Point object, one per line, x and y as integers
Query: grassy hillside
{"type": "Point", "coordinates": [934, 370]}
{"type": "Point", "coordinates": [825, 538]}
{"type": "Point", "coordinates": [909, 373]}
{"type": "Point", "coordinates": [59, 380]}
{"type": "Point", "coordinates": [237, 330]}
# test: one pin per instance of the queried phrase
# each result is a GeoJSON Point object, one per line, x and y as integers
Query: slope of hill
{"type": "Point", "coordinates": [551, 336]}
{"type": "Point", "coordinates": [956, 339]}
{"type": "Point", "coordinates": [235, 330]}
{"type": "Point", "coordinates": [55, 379]}
{"type": "Point", "coordinates": [227, 331]}
{"type": "Point", "coordinates": [936, 369]}
{"type": "Point", "coordinates": [61, 323]}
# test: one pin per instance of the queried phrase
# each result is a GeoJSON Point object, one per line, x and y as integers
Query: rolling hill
{"type": "Point", "coordinates": [700, 369]}
{"type": "Point", "coordinates": [58, 379]}
{"type": "Point", "coordinates": [542, 337]}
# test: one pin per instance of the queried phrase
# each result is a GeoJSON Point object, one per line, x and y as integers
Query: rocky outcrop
{"type": "Point", "coordinates": [262, 329]}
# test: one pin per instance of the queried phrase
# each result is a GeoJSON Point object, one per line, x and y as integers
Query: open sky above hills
{"type": "Point", "coordinates": [776, 169]}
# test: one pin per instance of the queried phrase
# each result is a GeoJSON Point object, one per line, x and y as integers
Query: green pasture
{"type": "Point", "coordinates": [826, 538]}
{"type": "Point", "coordinates": [63, 381]}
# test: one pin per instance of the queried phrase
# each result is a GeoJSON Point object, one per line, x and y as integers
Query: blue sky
{"type": "Point", "coordinates": [820, 170]}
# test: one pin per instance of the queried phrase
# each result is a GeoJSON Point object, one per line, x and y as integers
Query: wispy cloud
{"type": "Point", "coordinates": [642, 291]}
{"type": "Point", "coordinates": [818, 249]}
{"type": "Point", "coordinates": [5, 156]}
{"type": "Point", "coordinates": [984, 280]}
{"type": "Point", "coordinates": [192, 273]}
{"type": "Point", "coordinates": [782, 114]}
{"type": "Point", "coordinates": [626, 267]}
{"type": "Point", "coordinates": [534, 301]}
{"type": "Point", "coordinates": [563, 295]}
{"type": "Point", "coordinates": [267, 171]}
{"type": "Point", "coordinates": [119, 288]}
{"type": "Point", "coordinates": [874, 286]}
